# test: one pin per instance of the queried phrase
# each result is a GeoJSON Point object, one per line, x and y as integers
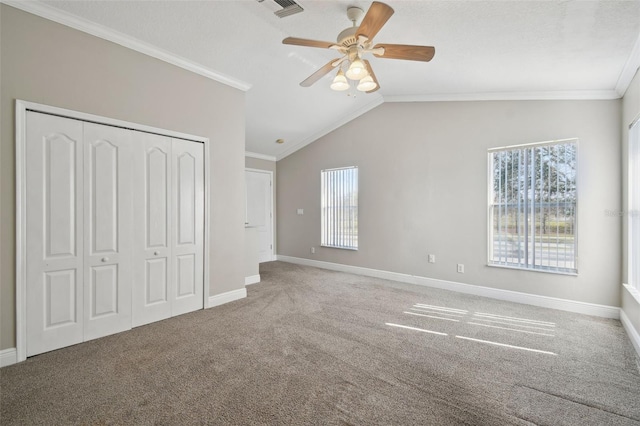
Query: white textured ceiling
{"type": "Point", "coordinates": [484, 49]}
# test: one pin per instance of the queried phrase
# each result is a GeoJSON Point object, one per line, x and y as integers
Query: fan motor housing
{"type": "Point", "coordinates": [347, 37]}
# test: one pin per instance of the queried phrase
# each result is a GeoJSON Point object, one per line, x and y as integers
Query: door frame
{"type": "Point", "coordinates": [22, 107]}
{"type": "Point", "coordinates": [272, 212]}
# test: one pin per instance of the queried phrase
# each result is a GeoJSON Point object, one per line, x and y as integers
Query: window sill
{"type": "Point", "coordinates": [341, 248]}
{"type": "Point", "coordinates": [571, 274]}
{"type": "Point", "coordinates": [633, 292]}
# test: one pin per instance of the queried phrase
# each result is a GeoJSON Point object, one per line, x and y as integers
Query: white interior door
{"type": "Point", "coordinates": [187, 231]}
{"type": "Point", "coordinates": [54, 249]}
{"type": "Point", "coordinates": [259, 213]}
{"type": "Point", "coordinates": [153, 268]}
{"type": "Point", "coordinates": [114, 229]}
{"type": "Point", "coordinates": [107, 230]}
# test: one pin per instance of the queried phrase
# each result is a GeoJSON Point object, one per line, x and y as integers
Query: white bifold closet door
{"type": "Point", "coordinates": [169, 206]}
{"type": "Point", "coordinates": [78, 226]}
{"type": "Point", "coordinates": [187, 235]}
{"type": "Point", "coordinates": [107, 230]}
{"type": "Point", "coordinates": [55, 252]}
{"type": "Point", "coordinates": [114, 229]}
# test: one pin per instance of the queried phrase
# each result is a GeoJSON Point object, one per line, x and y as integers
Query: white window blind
{"type": "Point", "coordinates": [340, 208]}
{"type": "Point", "coordinates": [634, 206]}
{"type": "Point", "coordinates": [532, 207]}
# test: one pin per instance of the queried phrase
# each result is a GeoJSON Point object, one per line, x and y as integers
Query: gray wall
{"type": "Point", "coordinates": [630, 111]}
{"type": "Point", "coordinates": [48, 63]}
{"type": "Point", "coordinates": [423, 189]}
{"type": "Point", "coordinates": [256, 163]}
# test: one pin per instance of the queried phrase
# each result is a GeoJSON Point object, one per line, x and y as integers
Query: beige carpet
{"type": "Point", "coordinates": [309, 346]}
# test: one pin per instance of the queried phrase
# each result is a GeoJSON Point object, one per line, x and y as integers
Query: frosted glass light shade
{"type": "Point", "coordinates": [367, 84]}
{"type": "Point", "coordinates": [340, 82]}
{"type": "Point", "coordinates": [356, 70]}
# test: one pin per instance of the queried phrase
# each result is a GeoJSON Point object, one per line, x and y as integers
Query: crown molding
{"type": "Point", "coordinates": [629, 70]}
{"type": "Point", "coordinates": [259, 156]}
{"type": "Point", "coordinates": [379, 100]}
{"type": "Point", "coordinates": [454, 97]}
{"type": "Point", "coordinates": [509, 96]}
{"type": "Point", "coordinates": [89, 27]}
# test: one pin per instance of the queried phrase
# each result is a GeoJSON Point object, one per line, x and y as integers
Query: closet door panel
{"type": "Point", "coordinates": [156, 281]}
{"type": "Point", "coordinates": [107, 231]}
{"type": "Point", "coordinates": [104, 291]}
{"type": "Point", "coordinates": [157, 194]}
{"type": "Point", "coordinates": [186, 275]}
{"type": "Point", "coordinates": [152, 285]}
{"type": "Point", "coordinates": [188, 225]}
{"type": "Point", "coordinates": [54, 246]}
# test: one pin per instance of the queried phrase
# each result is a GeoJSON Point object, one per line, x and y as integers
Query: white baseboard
{"type": "Point", "coordinates": [229, 296]}
{"type": "Point", "coordinates": [525, 298]}
{"type": "Point", "coordinates": [631, 331]}
{"type": "Point", "coordinates": [376, 273]}
{"type": "Point", "coordinates": [494, 293]}
{"type": "Point", "coordinates": [8, 357]}
{"type": "Point", "coordinates": [253, 279]}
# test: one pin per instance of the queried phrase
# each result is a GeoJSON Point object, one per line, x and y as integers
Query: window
{"type": "Point", "coordinates": [634, 205]}
{"type": "Point", "coordinates": [532, 207]}
{"type": "Point", "coordinates": [340, 208]}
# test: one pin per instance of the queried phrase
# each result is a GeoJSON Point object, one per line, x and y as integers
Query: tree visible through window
{"type": "Point", "coordinates": [532, 207]}
{"type": "Point", "coordinates": [339, 205]}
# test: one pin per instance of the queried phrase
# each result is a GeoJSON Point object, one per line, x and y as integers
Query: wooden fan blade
{"type": "Point", "coordinates": [406, 51]}
{"type": "Point", "coordinates": [373, 76]}
{"type": "Point", "coordinates": [377, 15]}
{"type": "Point", "coordinates": [318, 74]}
{"type": "Point", "coordinates": [305, 42]}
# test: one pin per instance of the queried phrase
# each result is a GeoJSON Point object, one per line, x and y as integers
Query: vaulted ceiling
{"type": "Point", "coordinates": [484, 50]}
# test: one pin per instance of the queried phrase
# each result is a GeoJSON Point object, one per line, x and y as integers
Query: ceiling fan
{"type": "Point", "coordinates": [356, 41]}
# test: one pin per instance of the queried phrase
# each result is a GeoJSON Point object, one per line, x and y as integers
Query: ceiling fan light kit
{"type": "Point", "coordinates": [340, 82]}
{"type": "Point", "coordinates": [367, 84]}
{"type": "Point", "coordinates": [356, 70]}
{"type": "Point", "coordinates": [356, 41]}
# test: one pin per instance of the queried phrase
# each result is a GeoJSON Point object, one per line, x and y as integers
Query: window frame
{"type": "Point", "coordinates": [490, 204]}
{"type": "Point", "coordinates": [325, 241]}
{"type": "Point", "coordinates": [633, 204]}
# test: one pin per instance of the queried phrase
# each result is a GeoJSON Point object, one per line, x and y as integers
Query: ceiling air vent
{"type": "Point", "coordinates": [282, 8]}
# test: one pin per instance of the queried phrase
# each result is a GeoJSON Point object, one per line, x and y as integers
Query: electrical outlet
{"type": "Point", "coordinates": [461, 268]}
{"type": "Point", "coordinates": [300, 211]}
{"type": "Point", "coordinates": [432, 258]}
{"type": "Point", "coordinates": [313, 250]}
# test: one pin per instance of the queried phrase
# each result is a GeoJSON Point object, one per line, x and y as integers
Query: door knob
{"type": "Point", "coordinates": [156, 253]}
{"type": "Point", "coordinates": [104, 259]}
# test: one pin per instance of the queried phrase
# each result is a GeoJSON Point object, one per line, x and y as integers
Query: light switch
{"type": "Point", "coordinates": [300, 211]}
